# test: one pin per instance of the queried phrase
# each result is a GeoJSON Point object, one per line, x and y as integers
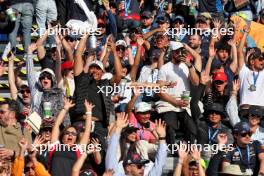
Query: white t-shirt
{"type": "Point", "coordinates": [148, 75]}
{"type": "Point", "coordinates": [175, 73]}
{"type": "Point", "coordinates": [247, 96]}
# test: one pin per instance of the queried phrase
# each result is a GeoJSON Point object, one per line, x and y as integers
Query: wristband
{"type": "Point", "coordinates": [162, 138]}
{"type": "Point", "coordinates": [129, 46]}
{"type": "Point", "coordinates": [88, 113]}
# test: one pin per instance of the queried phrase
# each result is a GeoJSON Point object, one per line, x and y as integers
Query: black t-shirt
{"type": "Point", "coordinates": [234, 157]}
{"type": "Point", "coordinates": [62, 163]}
{"type": "Point", "coordinates": [87, 88]}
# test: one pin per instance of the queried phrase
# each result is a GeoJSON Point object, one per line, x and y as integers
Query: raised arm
{"type": "Point", "coordinates": [88, 123]}
{"type": "Point", "coordinates": [56, 128]}
{"type": "Point", "coordinates": [40, 45]}
{"type": "Point", "coordinates": [78, 165]}
{"type": "Point", "coordinates": [197, 57]}
{"type": "Point", "coordinates": [117, 65]}
{"type": "Point", "coordinates": [182, 157]}
{"type": "Point", "coordinates": [133, 100]}
{"type": "Point", "coordinates": [78, 63]}
{"type": "Point", "coordinates": [134, 68]}
{"type": "Point", "coordinates": [58, 59]}
{"type": "Point", "coordinates": [241, 55]}
{"type": "Point", "coordinates": [234, 64]}
{"type": "Point", "coordinates": [11, 78]}
{"type": "Point", "coordinates": [67, 48]}
{"type": "Point", "coordinates": [211, 57]}
{"type": "Point", "coordinates": [31, 74]}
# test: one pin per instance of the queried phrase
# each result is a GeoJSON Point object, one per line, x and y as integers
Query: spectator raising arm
{"type": "Point", "coordinates": [212, 53]}
{"type": "Point", "coordinates": [56, 128]}
{"type": "Point", "coordinates": [196, 56]}
{"type": "Point", "coordinates": [11, 78]}
{"type": "Point", "coordinates": [134, 68]}
{"type": "Point", "coordinates": [233, 65]}
{"type": "Point", "coordinates": [241, 55]}
{"type": "Point", "coordinates": [182, 157]}
{"type": "Point", "coordinates": [78, 63]}
{"type": "Point", "coordinates": [78, 165]}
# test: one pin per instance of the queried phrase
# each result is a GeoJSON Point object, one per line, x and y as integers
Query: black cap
{"type": "Point", "coordinates": [134, 158]}
{"type": "Point", "coordinates": [255, 111]}
{"type": "Point", "coordinates": [215, 107]}
{"type": "Point", "coordinates": [163, 19]}
{"type": "Point", "coordinates": [146, 14]}
{"type": "Point", "coordinates": [241, 127]}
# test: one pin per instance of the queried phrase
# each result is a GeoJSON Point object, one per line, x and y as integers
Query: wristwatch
{"type": "Point", "coordinates": [162, 138]}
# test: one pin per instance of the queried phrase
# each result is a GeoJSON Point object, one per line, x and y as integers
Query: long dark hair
{"type": "Point", "coordinates": [123, 146]}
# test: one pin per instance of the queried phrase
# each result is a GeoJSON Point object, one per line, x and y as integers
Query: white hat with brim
{"type": "Point", "coordinates": [175, 45]}
{"type": "Point", "coordinates": [98, 64]}
{"type": "Point", "coordinates": [142, 107]}
{"type": "Point", "coordinates": [233, 170]}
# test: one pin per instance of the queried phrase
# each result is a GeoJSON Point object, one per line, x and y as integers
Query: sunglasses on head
{"type": "Point", "coordinates": [219, 82]}
{"type": "Point", "coordinates": [245, 134]}
{"type": "Point", "coordinates": [25, 91]}
{"type": "Point", "coordinates": [45, 75]}
{"type": "Point", "coordinates": [70, 133]}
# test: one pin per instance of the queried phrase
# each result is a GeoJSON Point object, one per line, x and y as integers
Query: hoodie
{"type": "Point", "coordinates": [39, 95]}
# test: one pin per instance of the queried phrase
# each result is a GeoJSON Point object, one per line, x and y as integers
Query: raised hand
{"type": "Point", "coordinates": [121, 121]}
{"type": "Point", "coordinates": [212, 51]}
{"type": "Point", "coordinates": [136, 91]}
{"type": "Point", "coordinates": [236, 85]}
{"type": "Point", "coordinates": [23, 144]}
{"type": "Point", "coordinates": [38, 141]}
{"type": "Point", "coordinates": [140, 41]}
{"type": "Point", "coordinates": [160, 128]}
{"type": "Point", "coordinates": [204, 78]}
{"type": "Point", "coordinates": [232, 42]}
{"type": "Point", "coordinates": [246, 28]}
{"type": "Point", "coordinates": [196, 154]}
{"type": "Point", "coordinates": [236, 23]}
{"type": "Point", "coordinates": [68, 104]}
{"type": "Point", "coordinates": [88, 106]}
{"type": "Point", "coordinates": [217, 23]}
{"type": "Point", "coordinates": [32, 47]}
{"type": "Point", "coordinates": [182, 151]}
{"type": "Point", "coordinates": [95, 143]}
{"type": "Point", "coordinates": [222, 138]}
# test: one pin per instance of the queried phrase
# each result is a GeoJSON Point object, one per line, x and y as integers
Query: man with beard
{"type": "Point", "coordinates": [172, 107]}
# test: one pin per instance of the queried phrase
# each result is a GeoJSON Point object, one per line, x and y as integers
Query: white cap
{"type": "Point", "coordinates": [175, 45]}
{"type": "Point", "coordinates": [142, 107]}
{"type": "Point", "coordinates": [97, 63]}
{"type": "Point", "coordinates": [121, 42]}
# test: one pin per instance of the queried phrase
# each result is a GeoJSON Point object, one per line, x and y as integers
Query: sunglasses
{"type": "Point", "coordinates": [45, 75]}
{"type": "Point", "coordinates": [139, 166]}
{"type": "Point", "coordinates": [25, 91]}
{"type": "Point", "coordinates": [70, 133]}
{"type": "Point", "coordinates": [218, 82]}
{"type": "Point", "coordinates": [46, 129]}
{"type": "Point", "coordinates": [246, 134]}
{"type": "Point", "coordinates": [27, 169]}
{"type": "Point", "coordinates": [178, 22]}
{"type": "Point", "coordinates": [120, 48]}
{"type": "Point", "coordinates": [101, 26]}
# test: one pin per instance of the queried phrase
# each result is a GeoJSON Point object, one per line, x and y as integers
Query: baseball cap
{"type": "Point", "coordinates": [147, 14]}
{"type": "Point", "coordinates": [255, 111]}
{"type": "Point", "coordinates": [97, 63]}
{"type": "Point", "coordinates": [175, 45]}
{"type": "Point", "coordinates": [66, 65]}
{"type": "Point", "coordinates": [121, 43]}
{"type": "Point", "coordinates": [142, 107]}
{"type": "Point", "coordinates": [201, 18]}
{"type": "Point", "coordinates": [163, 19]}
{"type": "Point", "coordinates": [241, 127]}
{"type": "Point", "coordinates": [134, 158]}
{"type": "Point", "coordinates": [215, 107]}
{"type": "Point", "coordinates": [220, 76]}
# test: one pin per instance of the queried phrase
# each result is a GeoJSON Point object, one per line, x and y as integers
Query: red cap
{"type": "Point", "coordinates": [220, 76]}
{"type": "Point", "coordinates": [66, 65]}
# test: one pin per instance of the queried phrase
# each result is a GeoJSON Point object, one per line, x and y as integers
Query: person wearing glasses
{"type": "Point", "coordinates": [43, 88]}
{"type": "Point", "coordinates": [246, 153]}
{"type": "Point", "coordinates": [255, 113]}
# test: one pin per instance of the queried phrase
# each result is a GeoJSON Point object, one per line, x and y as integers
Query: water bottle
{"type": "Point", "coordinates": [92, 42]}
{"type": "Point", "coordinates": [47, 109]}
{"type": "Point", "coordinates": [11, 14]}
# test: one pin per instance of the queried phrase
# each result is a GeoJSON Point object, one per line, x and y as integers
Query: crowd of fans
{"type": "Point", "coordinates": [123, 99]}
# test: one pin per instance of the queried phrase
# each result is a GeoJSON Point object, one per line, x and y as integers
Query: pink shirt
{"type": "Point", "coordinates": [141, 133]}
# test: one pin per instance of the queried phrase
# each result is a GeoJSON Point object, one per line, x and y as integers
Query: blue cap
{"type": "Point", "coordinates": [241, 127]}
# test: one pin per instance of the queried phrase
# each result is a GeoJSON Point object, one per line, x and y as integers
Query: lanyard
{"type": "Point", "coordinates": [255, 78]}
{"type": "Point", "coordinates": [248, 155]}
{"type": "Point", "coordinates": [209, 134]}
{"type": "Point", "coordinates": [141, 135]}
{"type": "Point", "coordinates": [127, 5]}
